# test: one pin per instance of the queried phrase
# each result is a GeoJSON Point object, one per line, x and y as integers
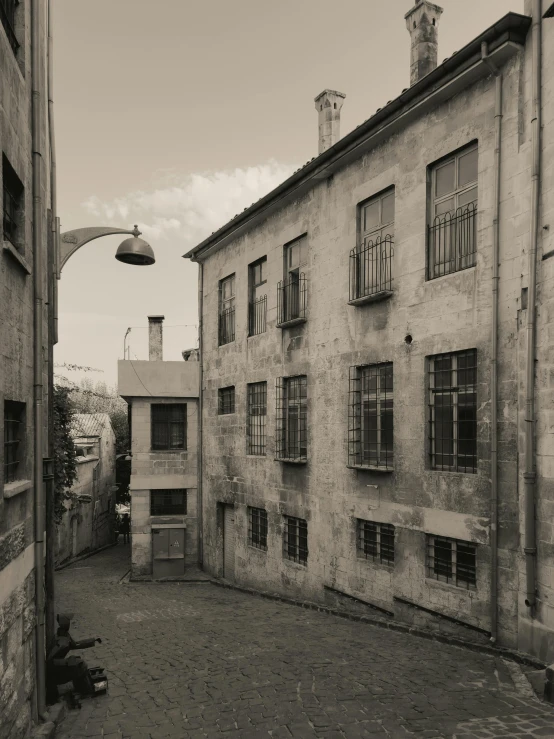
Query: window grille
{"type": "Point", "coordinates": [169, 426]}
{"type": "Point", "coordinates": [291, 299]}
{"type": "Point", "coordinates": [452, 238]}
{"type": "Point", "coordinates": [256, 418]}
{"type": "Point", "coordinates": [257, 304]}
{"type": "Point", "coordinates": [257, 528]}
{"type": "Point", "coordinates": [227, 310]}
{"type": "Point", "coordinates": [226, 400]}
{"type": "Point", "coordinates": [14, 428]}
{"type": "Point", "coordinates": [453, 411]}
{"type": "Point", "coordinates": [168, 502]}
{"type": "Point", "coordinates": [370, 432]}
{"type": "Point", "coordinates": [8, 10]}
{"type": "Point", "coordinates": [376, 541]}
{"type": "Point", "coordinates": [13, 198]}
{"type": "Point", "coordinates": [295, 540]}
{"type": "Point", "coordinates": [371, 268]}
{"type": "Point", "coordinates": [291, 418]}
{"type": "Point", "coordinates": [452, 561]}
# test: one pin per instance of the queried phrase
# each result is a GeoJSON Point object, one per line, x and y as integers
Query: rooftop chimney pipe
{"type": "Point", "coordinates": [422, 22]}
{"type": "Point", "coordinates": [328, 104]}
{"type": "Point", "coordinates": [155, 341]}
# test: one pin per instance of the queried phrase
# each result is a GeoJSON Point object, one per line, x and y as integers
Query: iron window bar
{"type": "Point", "coordinates": [292, 299]}
{"type": "Point", "coordinates": [256, 418]}
{"type": "Point", "coordinates": [257, 312]}
{"type": "Point", "coordinates": [226, 400]}
{"type": "Point", "coordinates": [452, 561]}
{"type": "Point", "coordinates": [10, 217]}
{"type": "Point", "coordinates": [171, 502]}
{"type": "Point", "coordinates": [7, 15]}
{"type": "Point", "coordinates": [257, 528]}
{"type": "Point", "coordinates": [169, 423]}
{"type": "Point", "coordinates": [453, 411]}
{"type": "Point", "coordinates": [227, 326]}
{"type": "Point", "coordinates": [371, 268]}
{"type": "Point", "coordinates": [370, 417]}
{"type": "Point", "coordinates": [453, 241]}
{"type": "Point", "coordinates": [376, 541]}
{"type": "Point", "coordinates": [295, 540]}
{"type": "Point", "coordinates": [291, 419]}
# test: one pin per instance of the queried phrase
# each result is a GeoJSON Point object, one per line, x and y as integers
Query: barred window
{"type": "Point", "coordinates": [371, 416]}
{"type": "Point", "coordinates": [291, 419]}
{"type": "Point", "coordinates": [227, 310]}
{"type": "Point", "coordinates": [375, 541]}
{"type": "Point", "coordinates": [14, 432]}
{"type": "Point", "coordinates": [257, 305]}
{"type": "Point", "coordinates": [452, 561]}
{"type": "Point", "coordinates": [256, 417]}
{"type": "Point", "coordinates": [13, 203]}
{"type": "Point", "coordinates": [295, 540]}
{"type": "Point", "coordinates": [453, 411]}
{"type": "Point", "coordinates": [169, 426]}
{"type": "Point", "coordinates": [226, 400]}
{"type": "Point", "coordinates": [168, 502]}
{"type": "Point", "coordinates": [257, 528]}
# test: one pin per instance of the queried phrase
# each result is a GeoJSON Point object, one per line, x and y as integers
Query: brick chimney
{"type": "Point", "coordinates": [155, 338]}
{"type": "Point", "coordinates": [422, 22]}
{"type": "Point", "coordinates": [328, 104]}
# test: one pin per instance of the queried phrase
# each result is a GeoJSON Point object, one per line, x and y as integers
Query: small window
{"type": "Point", "coordinates": [291, 419]}
{"type": "Point", "coordinates": [168, 502]}
{"type": "Point", "coordinates": [256, 418]}
{"type": "Point", "coordinates": [8, 10]}
{"type": "Point", "coordinates": [452, 561]}
{"type": "Point", "coordinates": [169, 426]}
{"type": "Point", "coordinates": [226, 400]}
{"type": "Point", "coordinates": [375, 541]}
{"type": "Point", "coordinates": [295, 540]}
{"type": "Point", "coordinates": [227, 310]}
{"type": "Point", "coordinates": [14, 436]}
{"type": "Point", "coordinates": [453, 411]}
{"type": "Point", "coordinates": [257, 303]}
{"type": "Point", "coordinates": [371, 416]}
{"type": "Point", "coordinates": [257, 528]}
{"type": "Point", "coordinates": [13, 203]}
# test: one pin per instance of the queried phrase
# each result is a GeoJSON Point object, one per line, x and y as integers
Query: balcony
{"type": "Point", "coordinates": [291, 301]}
{"type": "Point", "coordinates": [452, 242]}
{"type": "Point", "coordinates": [257, 311]}
{"type": "Point", "coordinates": [7, 16]}
{"type": "Point", "coordinates": [371, 271]}
{"type": "Point", "coordinates": [227, 326]}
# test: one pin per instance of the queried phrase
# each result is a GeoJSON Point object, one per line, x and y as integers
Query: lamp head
{"type": "Point", "coordinates": [135, 251]}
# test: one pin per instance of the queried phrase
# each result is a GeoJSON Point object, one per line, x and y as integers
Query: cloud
{"type": "Point", "coordinates": [191, 206]}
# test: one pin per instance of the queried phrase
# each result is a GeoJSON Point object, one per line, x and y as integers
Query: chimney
{"type": "Point", "coordinates": [328, 104]}
{"type": "Point", "coordinates": [422, 22]}
{"type": "Point", "coordinates": [155, 343]}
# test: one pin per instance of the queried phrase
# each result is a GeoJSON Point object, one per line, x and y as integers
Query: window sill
{"type": "Point", "coordinates": [452, 471]}
{"type": "Point", "coordinates": [11, 489]}
{"type": "Point", "coordinates": [442, 584]}
{"type": "Point", "coordinates": [375, 562]}
{"type": "Point", "coordinates": [256, 456]}
{"type": "Point", "coordinates": [263, 550]}
{"type": "Point", "coordinates": [369, 468]}
{"type": "Point", "coordinates": [428, 280]}
{"type": "Point", "coordinates": [301, 565]}
{"type": "Point", "coordinates": [293, 322]}
{"type": "Point", "coordinates": [225, 344]}
{"type": "Point", "coordinates": [253, 336]}
{"type": "Point", "coordinates": [373, 298]}
{"type": "Point", "coordinates": [19, 258]}
{"type": "Point", "coordinates": [83, 460]}
{"type": "Point", "coordinates": [289, 460]}
{"type": "Point", "coordinates": [167, 451]}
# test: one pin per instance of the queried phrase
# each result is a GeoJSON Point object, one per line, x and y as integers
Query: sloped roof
{"type": "Point", "coordinates": [89, 424]}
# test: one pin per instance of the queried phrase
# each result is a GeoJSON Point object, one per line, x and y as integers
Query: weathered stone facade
{"type": "Point", "coordinates": [450, 109]}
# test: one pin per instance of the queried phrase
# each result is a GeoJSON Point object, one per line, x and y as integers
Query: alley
{"type": "Point", "coordinates": [196, 660]}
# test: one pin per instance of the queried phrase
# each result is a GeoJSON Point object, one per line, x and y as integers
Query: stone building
{"type": "Point", "coordinates": [163, 415]}
{"type": "Point", "coordinates": [26, 246]}
{"type": "Point", "coordinates": [355, 334]}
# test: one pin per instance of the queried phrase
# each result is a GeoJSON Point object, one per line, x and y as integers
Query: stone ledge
{"type": "Point", "coordinates": [19, 258]}
{"type": "Point", "coordinates": [11, 489]}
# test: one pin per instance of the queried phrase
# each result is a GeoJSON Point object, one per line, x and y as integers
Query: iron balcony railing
{"type": "Point", "coordinates": [227, 326]}
{"type": "Point", "coordinates": [453, 241]}
{"type": "Point", "coordinates": [291, 299]}
{"type": "Point", "coordinates": [7, 16]}
{"type": "Point", "coordinates": [371, 268]}
{"type": "Point", "coordinates": [257, 311]}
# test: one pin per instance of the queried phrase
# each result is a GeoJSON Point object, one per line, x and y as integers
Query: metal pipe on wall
{"type": "Point", "coordinates": [200, 408]}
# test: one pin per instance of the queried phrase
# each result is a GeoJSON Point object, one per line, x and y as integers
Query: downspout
{"type": "Point", "coordinates": [38, 274]}
{"type": "Point", "coordinates": [529, 474]}
{"type": "Point", "coordinates": [494, 344]}
{"type": "Point", "coordinates": [200, 408]}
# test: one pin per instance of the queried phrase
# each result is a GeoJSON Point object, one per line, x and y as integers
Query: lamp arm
{"type": "Point", "coordinates": [70, 241]}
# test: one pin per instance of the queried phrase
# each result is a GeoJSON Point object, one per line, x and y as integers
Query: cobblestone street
{"type": "Point", "coordinates": [194, 660]}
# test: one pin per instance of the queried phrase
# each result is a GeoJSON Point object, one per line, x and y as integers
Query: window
{"type": "Point", "coordinates": [14, 432]}
{"type": "Point", "coordinates": [370, 442]}
{"type": "Point", "coordinates": [227, 310]}
{"type": "Point", "coordinates": [13, 202]}
{"type": "Point", "coordinates": [291, 418]}
{"type": "Point", "coordinates": [226, 400]}
{"type": "Point", "coordinates": [169, 426]}
{"type": "Point", "coordinates": [168, 502]}
{"type": "Point", "coordinates": [292, 291]}
{"type": "Point", "coordinates": [257, 528]}
{"type": "Point", "coordinates": [453, 232]}
{"type": "Point", "coordinates": [256, 415]}
{"type": "Point", "coordinates": [295, 540]}
{"type": "Point", "coordinates": [375, 541]}
{"type": "Point", "coordinates": [453, 411]}
{"type": "Point", "coordinates": [371, 260]}
{"type": "Point", "coordinates": [8, 9]}
{"type": "Point", "coordinates": [452, 561]}
{"type": "Point", "coordinates": [257, 303]}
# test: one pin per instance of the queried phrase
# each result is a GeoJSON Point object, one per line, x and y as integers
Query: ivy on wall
{"type": "Point", "coordinates": [65, 468]}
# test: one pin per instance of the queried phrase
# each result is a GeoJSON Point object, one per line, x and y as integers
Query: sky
{"type": "Point", "coordinates": [177, 114]}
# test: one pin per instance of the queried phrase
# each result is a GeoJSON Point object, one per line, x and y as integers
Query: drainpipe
{"type": "Point", "coordinates": [200, 407]}
{"type": "Point", "coordinates": [38, 273]}
{"type": "Point", "coordinates": [494, 342]}
{"type": "Point", "coordinates": [529, 474]}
